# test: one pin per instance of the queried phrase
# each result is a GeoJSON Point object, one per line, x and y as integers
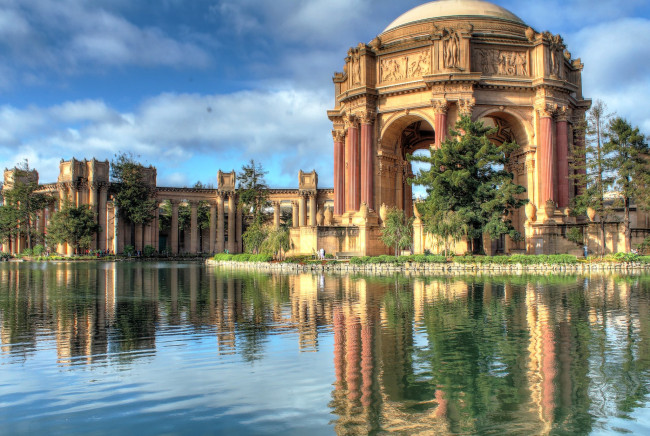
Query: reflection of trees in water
{"type": "Point", "coordinates": [524, 354]}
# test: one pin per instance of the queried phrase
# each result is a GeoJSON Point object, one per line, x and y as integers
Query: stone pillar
{"type": "Point", "coordinates": [232, 219]}
{"type": "Point", "coordinates": [295, 214]}
{"type": "Point", "coordinates": [312, 210]}
{"type": "Point", "coordinates": [194, 228]}
{"type": "Point", "coordinates": [440, 111]}
{"type": "Point", "coordinates": [240, 244]}
{"type": "Point", "coordinates": [302, 211]}
{"type": "Point", "coordinates": [92, 201]}
{"type": "Point", "coordinates": [276, 215]}
{"type": "Point", "coordinates": [339, 171]}
{"type": "Point", "coordinates": [173, 235]}
{"type": "Point", "coordinates": [353, 164]}
{"type": "Point", "coordinates": [220, 225]}
{"type": "Point", "coordinates": [139, 233]}
{"type": "Point", "coordinates": [155, 229]}
{"type": "Point", "coordinates": [546, 157]}
{"type": "Point", "coordinates": [103, 191]}
{"type": "Point", "coordinates": [213, 226]}
{"type": "Point", "coordinates": [562, 135]}
{"type": "Point", "coordinates": [367, 172]}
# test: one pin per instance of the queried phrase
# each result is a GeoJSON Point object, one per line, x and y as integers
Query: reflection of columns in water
{"type": "Point", "coordinates": [541, 357]}
{"type": "Point", "coordinates": [352, 352]}
{"type": "Point", "coordinates": [304, 302]}
{"type": "Point", "coordinates": [194, 287]}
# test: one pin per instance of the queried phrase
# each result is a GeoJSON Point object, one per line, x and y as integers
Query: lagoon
{"type": "Point", "coordinates": [184, 348]}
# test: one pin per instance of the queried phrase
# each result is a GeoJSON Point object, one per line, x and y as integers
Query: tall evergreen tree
{"type": "Point", "coordinates": [76, 226]}
{"type": "Point", "coordinates": [24, 203]}
{"type": "Point", "coordinates": [134, 198]}
{"type": "Point", "coordinates": [591, 167]}
{"type": "Point", "coordinates": [253, 190]}
{"type": "Point", "coordinates": [628, 150]}
{"type": "Point", "coordinates": [467, 176]}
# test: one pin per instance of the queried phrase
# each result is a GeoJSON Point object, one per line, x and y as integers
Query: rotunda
{"type": "Point", "coordinates": [404, 90]}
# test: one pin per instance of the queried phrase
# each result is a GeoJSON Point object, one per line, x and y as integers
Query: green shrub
{"type": "Point", "coordinates": [4, 256]}
{"type": "Point", "coordinates": [361, 260]}
{"type": "Point", "coordinates": [27, 252]}
{"type": "Point", "coordinates": [626, 257]}
{"type": "Point", "coordinates": [38, 250]}
{"type": "Point", "coordinates": [575, 235]}
{"type": "Point", "coordinates": [148, 251]}
{"type": "Point", "coordinates": [436, 258]}
{"type": "Point", "coordinates": [129, 250]}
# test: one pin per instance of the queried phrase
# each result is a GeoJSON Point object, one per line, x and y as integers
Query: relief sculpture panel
{"type": "Point", "coordinates": [494, 62]}
{"type": "Point", "coordinates": [405, 67]}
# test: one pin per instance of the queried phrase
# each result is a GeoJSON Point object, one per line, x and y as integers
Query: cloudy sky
{"type": "Point", "coordinates": [196, 86]}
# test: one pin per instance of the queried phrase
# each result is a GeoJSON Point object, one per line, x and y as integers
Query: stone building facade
{"type": "Point", "coordinates": [404, 91]}
{"type": "Point", "coordinates": [87, 182]}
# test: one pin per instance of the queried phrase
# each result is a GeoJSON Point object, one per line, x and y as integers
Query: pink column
{"type": "Point", "coordinates": [339, 173]}
{"type": "Point", "coordinates": [440, 128]}
{"type": "Point", "coordinates": [546, 169]}
{"type": "Point", "coordinates": [367, 173]}
{"type": "Point", "coordinates": [353, 168]}
{"type": "Point", "coordinates": [562, 161]}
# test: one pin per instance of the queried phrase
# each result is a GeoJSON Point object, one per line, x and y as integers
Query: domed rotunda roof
{"type": "Point", "coordinates": [453, 8]}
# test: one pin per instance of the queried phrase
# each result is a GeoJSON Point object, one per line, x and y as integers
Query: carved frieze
{"type": "Point", "coordinates": [496, 62]}
{"type": "Point", "coordinates": [406, 67]}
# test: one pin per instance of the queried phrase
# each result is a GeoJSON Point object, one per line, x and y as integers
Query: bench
{"type": "Point", "coordinates": [346, 254]}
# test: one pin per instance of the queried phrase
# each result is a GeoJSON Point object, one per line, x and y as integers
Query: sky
{"type": "Point", "coordinates": [192, 87]}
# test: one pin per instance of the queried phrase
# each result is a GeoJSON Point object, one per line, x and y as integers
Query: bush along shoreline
{"type": "Point", "coordinates": [424, 263]}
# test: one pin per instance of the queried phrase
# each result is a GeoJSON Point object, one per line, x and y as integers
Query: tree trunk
{"type": "Point", "coordinates": [603, 242]}
{"type": "Point", "coordinates": [626, 226]}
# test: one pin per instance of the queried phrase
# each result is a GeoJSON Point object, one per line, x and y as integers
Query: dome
{"type": "Point", "coordinates": [453, 8]}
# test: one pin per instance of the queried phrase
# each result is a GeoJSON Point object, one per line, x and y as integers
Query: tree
{"type": "Point", "coordinates": [134, 197]}
{"type": "Point", "coordinates": [397, 231]}
{"type": "Point", "coordinates": [8, 220]}
{"type": "Point", "coordinates": [25, 203]}
{"type": "Point", "coordinates": [75, 226]}
{"type": "Point", "coordinates": [277, 242]}
{"type": "Point", "coordinates": [627, 149]}
{"type": "Point", "coordinates": [591, 165]}
{"type": "Point", "coordinates": [467, 176]}
{"type": "Point", "coordinates": [450, 228]}
{"type": "Point", "coordinates": [254, 237]}
{"type": "Point", "coordinates": [253, 190]}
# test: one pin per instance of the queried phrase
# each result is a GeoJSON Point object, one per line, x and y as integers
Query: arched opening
{"type": "Point", "coordinates": [405, 136]}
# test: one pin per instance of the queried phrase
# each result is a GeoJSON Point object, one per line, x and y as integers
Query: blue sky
{"type": "Point", "coordinates": [201, 85]}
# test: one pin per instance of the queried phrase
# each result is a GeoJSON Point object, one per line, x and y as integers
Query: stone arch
{"type": "Point", "coordinates": [522, 129]}
{"type": "Point", "coordinates": [402, 133]}
{"type": "Point", "coordinates": [395, 125]}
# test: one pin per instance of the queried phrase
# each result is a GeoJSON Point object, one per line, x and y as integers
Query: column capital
{"type": "Point", "coordinates": [545, 109]}
{"type": "Point", "coordinates": [466, 106]}
{"type": "Point", "coordinates": [350, 121]}
{"type": "Point", "coordinates": [440, 106]}
{"type": "Point", "coordinates": [366, 117]}
{"type": "Point", "coordinates": [562, 113]}
{"type": "Point", "coordinates": [338, 135]}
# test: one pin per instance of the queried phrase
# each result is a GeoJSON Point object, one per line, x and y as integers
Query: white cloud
{"type": "Point", "coordinates": [75, 35]}
{"type": "Point", "coordinates": [171, 129]}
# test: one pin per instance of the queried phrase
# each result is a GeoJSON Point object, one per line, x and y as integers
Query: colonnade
{"type": "Point", "coordinates": [354, 182]}
{"type": "Point", "coordinates": [217, 241]}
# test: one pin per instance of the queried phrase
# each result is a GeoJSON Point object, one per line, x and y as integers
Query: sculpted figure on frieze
{"type": "Point", "coordinates": [451, 48]}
